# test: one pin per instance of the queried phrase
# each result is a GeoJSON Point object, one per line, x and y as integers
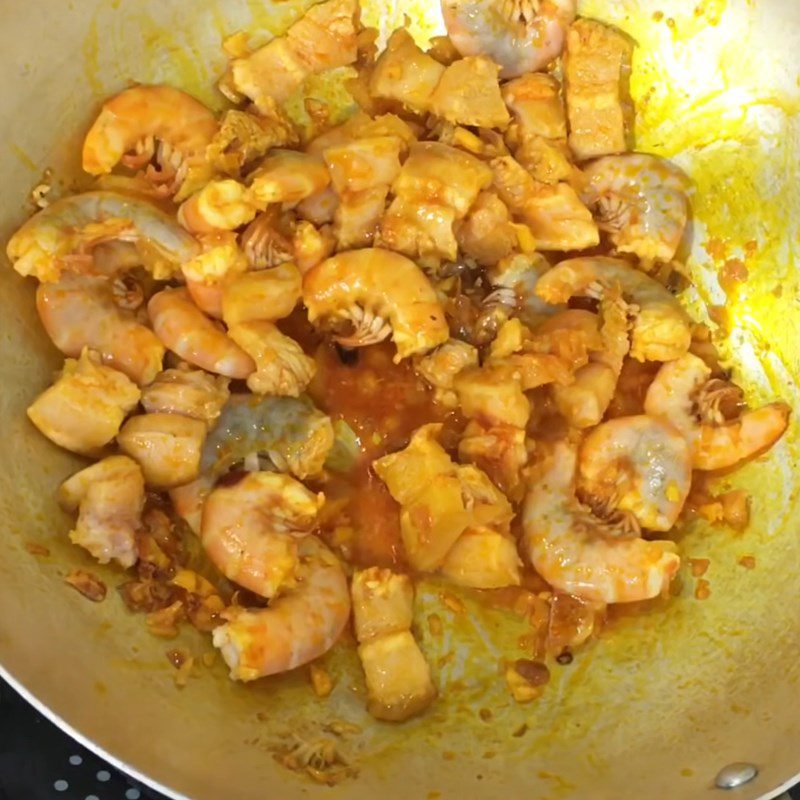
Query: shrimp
{"type": "Point", "coordinates": [220, 261]}
{"type": "Point", "coordinates": [83, 410]}
{"type": "Point", "coordinates": [147, 122]}
{"type": "Point", "coordinates": [267, 240]}
{"type": "Point", "coordinates": [381, 294]}
{"type": "Point", "coordinates": [638, 465]}
{"type": "Point", "coordinates": [249, 530]}
{"type": "Point", "coordinates": [221, 205]}
{"type": "Point", "coordinates": [640, 201]}
{"type": "Point", "coordinates": [185, 330]}
{"type": "Point", "coordinates": [514, 280]}
{"type": "Point", "coordinates": [298, 626]}
{"type": "Point", "coordinates": [320, 208]}
{"type": "Point", "coordinates": [61, 237]}
{"type": "Point", "coordinates": [684, 393]}
{"type": "Point", "coordinates": [266, 294]}
{"type": "Point", "coordinates": [575, 552]}
{"type": "Point", "coordinates": [661, 329]}
{"type": "Point", "coordinates": [287, 176]}
{"type": "Point", "coordinates": [166, 446]}
{"type": "Point", "coordinates": [109, 497]}
{"type": "Point", "coordinates": [520, 35]}
{"type": "Point", "coordinates": [312, 246]}
{"type": "Point", "coordinates": [80, 312]}
{"type": "Point", "coordinates": [292, 433]}
{"type": "Point", "coordinates": [282, 368]}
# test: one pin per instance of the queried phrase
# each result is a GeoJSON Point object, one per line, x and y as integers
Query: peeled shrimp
{"type": "Point", "coordinates": [517, 34]}
{"type": "Point", "coordinates": [61, 237]}
{"type": "Point", "coordinates": [264, 294]}
{"type": "Point", "coordinates": [514, 280]}
{"type": "Point", "coordinates": [381, 294]}
{"type": "Point", "coordinates": [282, 368]}
{"type": "Point", "coordinates": [267, 240]}
{"type": "Point", "coordinates": [297, 627]}
{"type": "Point", "coordinates": [206, 275]}
{"type": "Point", "coordinates": [639, 465]}
{"type": "Point", "coordinates": [80, 312]}
{"type": "Point", "coordinates": [683, 393]}
{"type": "Point", "coordinates": [661, 330]}
{"type": "Point", "coordinates": [249, 530]}
{"type": "Point", "coordinates": [110, 496]}
{"type": "Point", "coordinates": [573, 550]}
{"type": "Point", "coordinates": [221, 205]}
{"type": "Point", "coordinates": [287, 176]}
{"type": "Point", "coordinates": [147, 122]}
{"type": "Point", "coordinates": [640, 201]}
{"type": "Point", "coordinates": [185, 330]}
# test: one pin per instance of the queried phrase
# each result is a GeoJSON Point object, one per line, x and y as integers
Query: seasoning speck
{"type": "Point", "coordinates": [564, 658]}
{"type": "Point", "coordinates": [702, 590]}
{"type": "Point", "coordinates": [534, 672]}
{"type": "Point", "coordinates": [89, 585]}
{"type": "Point", "coordinates": [452, 602]}
{"type": "Point", "coordinates": [699, 566]}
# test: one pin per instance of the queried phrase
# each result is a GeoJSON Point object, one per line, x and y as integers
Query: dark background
{"type": "Point", "coordinates": [36, 759]}
{"type": "Point", "coordinates": [35, 754]}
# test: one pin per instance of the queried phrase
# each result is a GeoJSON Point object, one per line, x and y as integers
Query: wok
{"type": "Point", "coordinates": [655, 708]}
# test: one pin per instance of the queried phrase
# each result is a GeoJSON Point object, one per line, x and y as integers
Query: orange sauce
{"type": "Point", "coordinates": [383, 403]}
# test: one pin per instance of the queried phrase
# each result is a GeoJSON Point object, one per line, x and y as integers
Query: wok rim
{"type": "Point", "coordinates": [85, 741]}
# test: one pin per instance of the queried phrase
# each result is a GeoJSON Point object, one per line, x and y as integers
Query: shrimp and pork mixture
{"type": "Point", "coordinates": [316, 359]}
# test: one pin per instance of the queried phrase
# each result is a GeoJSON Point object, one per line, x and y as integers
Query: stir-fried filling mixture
{"type": "Point", "coordinates": [315, 362]}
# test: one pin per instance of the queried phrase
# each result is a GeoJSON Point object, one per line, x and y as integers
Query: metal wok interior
{"type": "Point", "coordinates": [658, 705]}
